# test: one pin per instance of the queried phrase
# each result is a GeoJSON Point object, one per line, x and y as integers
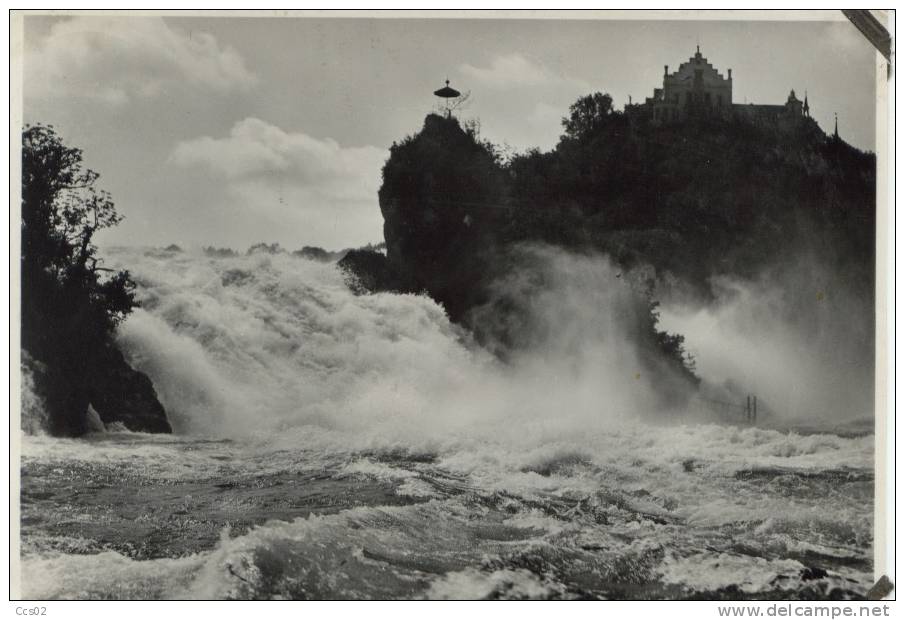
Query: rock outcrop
{"type": "Point", "coordinates": [688, 202]}
{"type": "Point", "coordinates": [121, 394]}
{"type": "Point", "coordinates": [118, 393]}
{"type": "Point", "coordinates": [440, 189]}
{"type": "Point", "coordinates": [709, 197]}
{"type": "Point", "coordinates": [368, 272]}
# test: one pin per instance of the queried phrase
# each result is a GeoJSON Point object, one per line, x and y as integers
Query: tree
{"type": "Point", "coordinates": [587, 115]}
{"type": "Point", "coordinates": [71, 305]}
{"type": "Point", "coordinates": [65, 292]}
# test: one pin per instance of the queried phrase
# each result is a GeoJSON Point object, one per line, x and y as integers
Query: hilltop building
{"type": "Point", "coordinates": [698, 89]}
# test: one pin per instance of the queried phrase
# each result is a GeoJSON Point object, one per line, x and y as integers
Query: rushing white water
{"type": "Point", "coordinates": [341, 446]}
{"type": "Point", "coordinates": [267, 343]}
{"type": "Point", "coordinates": [34, 413]}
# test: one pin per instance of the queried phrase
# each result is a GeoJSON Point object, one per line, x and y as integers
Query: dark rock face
{"type": "Point", "coordinates": [64, 401]}
{"type": "Point", "coordinates": [368, 272]}
{"type": "Point", "coordinates": [438, 238]}
{"type": "Point", "coordinates": [118, 392]}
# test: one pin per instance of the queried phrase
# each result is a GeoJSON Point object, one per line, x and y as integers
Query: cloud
{"type": "Point", "coordinates": [258, 151]}
{"type": "Point", "coordinates": [545, 114]}
{"type": "Point", "coordinates": [293, 179]}
{"type": "Point", "coordinates": [116, 60]}
{"type": "Point", "coordinates": [521, 101]}
{"type": "Point", "coordinates": [514, 70]}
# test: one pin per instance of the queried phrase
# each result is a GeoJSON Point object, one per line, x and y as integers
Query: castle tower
{"type": "Point", "coordinates": [793, 105]}
{"type": "Point", "coordinates": [695, 88]}
{"type": "Point", "coordinates": [698, 89]}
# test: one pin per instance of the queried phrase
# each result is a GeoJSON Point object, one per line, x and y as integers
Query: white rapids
{"type": "Point", "coordinates": [330, 445]}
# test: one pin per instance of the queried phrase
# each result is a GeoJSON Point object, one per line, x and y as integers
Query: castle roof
{"type": "Point", "coordinates": [698, 61]}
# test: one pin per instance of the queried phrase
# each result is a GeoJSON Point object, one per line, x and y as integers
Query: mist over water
{"type": "Point", "coordinates": [263, 344]}
{"type": "Point", "coordinates": [800, 338]}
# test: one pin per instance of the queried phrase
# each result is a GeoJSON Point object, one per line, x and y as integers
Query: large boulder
{"type": "Point", "coordinates": [118, 393]}
{"type": "Point", "coordinates": [121, 394]}
{"type": "Point", "coordinates": [368, 272]}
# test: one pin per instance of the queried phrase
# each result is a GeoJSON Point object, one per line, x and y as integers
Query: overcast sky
{"type": "Point", "coordinates": [230, 131]}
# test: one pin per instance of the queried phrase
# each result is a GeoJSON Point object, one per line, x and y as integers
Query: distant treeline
{"type": "Point", "coordinates": [310, 252]}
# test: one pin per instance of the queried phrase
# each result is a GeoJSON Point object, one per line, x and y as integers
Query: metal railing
{"type": "Point", "coordinates": [746, 411]}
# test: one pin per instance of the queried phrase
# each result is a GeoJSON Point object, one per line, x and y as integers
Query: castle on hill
{"type": "Point", "coordinates": [698, 89]}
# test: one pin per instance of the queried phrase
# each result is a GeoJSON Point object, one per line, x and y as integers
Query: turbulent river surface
{"type": "Point", "coordinates": [333, 446]}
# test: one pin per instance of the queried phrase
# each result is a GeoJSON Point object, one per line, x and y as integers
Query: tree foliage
{"type": "Point", "coordinates": [69, 300]}
{"type": "Point", "coordinates": [587, 115]}
{"type": "Point", "coordinates": [697, 198]}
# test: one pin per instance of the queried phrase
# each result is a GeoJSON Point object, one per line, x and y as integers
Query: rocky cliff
{"type": "Point", "coordinates": [688, 202]}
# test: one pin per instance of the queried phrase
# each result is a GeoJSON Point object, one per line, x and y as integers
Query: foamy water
{"type": "Point", "coordinates": [337, 446]}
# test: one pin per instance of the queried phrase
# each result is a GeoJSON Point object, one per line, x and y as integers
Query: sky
{"type": "Point", "coordinates": [229, 131]}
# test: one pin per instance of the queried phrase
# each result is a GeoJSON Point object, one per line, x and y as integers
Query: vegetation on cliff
{"type": "Point", "coordinates": [71, 304]}
{"type": "Point", "coordinates": [432, 185]}
{"type": "Point", "coordinates": [692, 200]}
{"type": "Point", "coordinates": [698, 198]}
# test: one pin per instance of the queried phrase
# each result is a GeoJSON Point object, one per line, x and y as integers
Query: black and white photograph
{"type": "Point", "coordinates": [451, 306]}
